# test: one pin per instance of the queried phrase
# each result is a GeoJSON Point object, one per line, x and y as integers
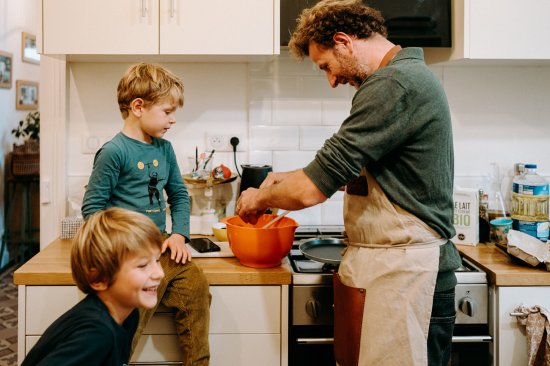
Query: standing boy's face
{"type": "Point", "coordinates": [156, 119]}
{"type": "Point", "coordinates": [135, 284]}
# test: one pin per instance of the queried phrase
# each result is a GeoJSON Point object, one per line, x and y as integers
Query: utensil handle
{"type": "Point", "coordinates": [275, 219]}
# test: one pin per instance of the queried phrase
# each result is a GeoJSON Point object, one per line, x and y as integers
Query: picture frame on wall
{"type": "Point", "coordinates": [27, 95]}
{"type": "Point", "coordinates": [29, 52]}
{"type": "Point", "coordinates": [6, 69]}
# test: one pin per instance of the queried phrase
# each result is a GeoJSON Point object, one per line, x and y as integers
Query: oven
{"type": "Point", "coordinates": [311, 309]}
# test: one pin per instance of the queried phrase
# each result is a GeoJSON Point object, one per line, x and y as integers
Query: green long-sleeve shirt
{"type": "Point", "coordinates": [132, 174]}
{"type": "Point", "coordinates": [399, 128]}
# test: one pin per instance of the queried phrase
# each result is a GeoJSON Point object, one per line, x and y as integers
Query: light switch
{"type": "Point", "coordinates": [45, 191]}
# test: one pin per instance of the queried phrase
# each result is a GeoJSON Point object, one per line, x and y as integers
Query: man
{"type": "Point", "coordinates": [394, 154]}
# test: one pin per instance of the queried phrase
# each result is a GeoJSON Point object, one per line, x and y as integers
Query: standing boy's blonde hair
{"type": "Point", "coordinates": [150, 82]}
{"type": "Point", "coordinates": [103, 242]}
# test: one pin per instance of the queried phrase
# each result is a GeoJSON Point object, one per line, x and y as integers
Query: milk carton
{"type": "Point", "coordinates": [466, 216]}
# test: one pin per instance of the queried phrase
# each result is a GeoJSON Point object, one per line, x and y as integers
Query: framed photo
{"type": "Point", "coordinates": [29, 53]}
{"type": "Point", "coordinates": [6, 65]}
{"type": "Point", "coordinates": [27, 95]}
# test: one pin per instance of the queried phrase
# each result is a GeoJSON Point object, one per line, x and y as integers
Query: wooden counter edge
{"type": "Point", "coordinates": [51, 266]}
{"type": "Point", "coordinates": [501, 269]}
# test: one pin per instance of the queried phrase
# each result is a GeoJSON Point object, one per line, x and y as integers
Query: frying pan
{"type": "Point", "coordinates": [324, 250]}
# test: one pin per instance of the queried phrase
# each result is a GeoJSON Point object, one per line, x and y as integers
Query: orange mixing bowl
{"type": "Point", "coordinates": [257, 247]}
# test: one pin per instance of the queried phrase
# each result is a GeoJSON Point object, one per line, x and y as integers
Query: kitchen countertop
{"type": "Point", "coordinates": [503, 270]}
{"type": "Point", "coordinates": [51, 266]}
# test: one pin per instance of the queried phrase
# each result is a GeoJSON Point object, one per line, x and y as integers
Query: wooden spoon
{"type": "Point", "coordinates": [275, 219]}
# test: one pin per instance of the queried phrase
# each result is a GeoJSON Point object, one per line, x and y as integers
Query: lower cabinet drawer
{"type": "Point", "coordinates": [225, 349]}
{"type": "Point", "coordinates": [234, 309]}
{"type": "Point", "coordinates": [245, 325]}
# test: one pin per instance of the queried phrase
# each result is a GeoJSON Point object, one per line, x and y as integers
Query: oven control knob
{"type": "Point", "coordinates": [313, 308]}
{"type": "Point", "coordinates": [467, 305]}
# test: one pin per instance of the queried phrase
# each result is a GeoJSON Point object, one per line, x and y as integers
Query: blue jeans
{"type": "Point", "coordinates": [442, 323]}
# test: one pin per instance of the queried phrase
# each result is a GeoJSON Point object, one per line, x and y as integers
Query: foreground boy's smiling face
{"type": "Point", "coordinates": [135, 285]}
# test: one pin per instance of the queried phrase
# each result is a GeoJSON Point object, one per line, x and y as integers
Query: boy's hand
{"type": "Point", "coordinates": [178, 249]}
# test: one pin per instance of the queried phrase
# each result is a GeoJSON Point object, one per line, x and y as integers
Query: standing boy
{"type": "Point", "coordinates": [115, 260]}
{"type": "Point", "coordinates": [133, 170]}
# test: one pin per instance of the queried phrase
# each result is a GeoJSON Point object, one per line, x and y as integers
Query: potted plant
{"type": "Point", "coordinates": [28, 130]}
{"type": "Point", "coordinates": [25, 159]}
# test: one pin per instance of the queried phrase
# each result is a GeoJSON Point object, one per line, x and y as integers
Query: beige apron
{"type": "Point", "coordinates": [394, 256]}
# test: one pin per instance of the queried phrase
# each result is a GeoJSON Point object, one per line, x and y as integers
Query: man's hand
{"type": "Point", "coordinates": [246, 206]}
{"type": "Point", "coordinates": [178, 249]}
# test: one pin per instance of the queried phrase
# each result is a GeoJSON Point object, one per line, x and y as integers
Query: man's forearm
{"type": "Point", "coordinates": [295, 192]}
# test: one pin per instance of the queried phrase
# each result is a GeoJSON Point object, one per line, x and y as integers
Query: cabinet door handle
{"type": "Point", "coordinates": [172, 9]}
{"type": "Point", "coordinates": [519, 315]}
{"type": "Point", "coordinates": [143, 8]}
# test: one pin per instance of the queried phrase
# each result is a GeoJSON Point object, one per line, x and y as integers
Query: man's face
{"type": "Point", "coordinates": [339, 64]}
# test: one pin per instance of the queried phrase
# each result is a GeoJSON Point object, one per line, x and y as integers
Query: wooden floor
{"type": "Point", "coordinates": [8, 319]}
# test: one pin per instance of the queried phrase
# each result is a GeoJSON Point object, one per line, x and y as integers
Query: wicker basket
{"type": "Point", "coordinates": [25, 159]}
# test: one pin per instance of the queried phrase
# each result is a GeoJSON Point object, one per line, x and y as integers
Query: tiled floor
{"type": "Point", "coordinates": [8, 319]}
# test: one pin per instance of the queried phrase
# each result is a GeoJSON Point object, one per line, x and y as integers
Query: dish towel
{"type": "Point", "coordinates": [537, 328]}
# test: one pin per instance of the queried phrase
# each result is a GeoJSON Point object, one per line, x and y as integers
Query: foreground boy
{"type": "Point", "coordinates": [115, 260]}
{"type": "Point", "coordinates": [133, 171]}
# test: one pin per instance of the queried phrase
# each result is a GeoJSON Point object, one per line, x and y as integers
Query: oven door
{"type": "Point", "coordinates": [311, 345]}
{"type": "Point", "coordinates": [311, 330]}
{"type": "Point", "coordinates": [471, 346]}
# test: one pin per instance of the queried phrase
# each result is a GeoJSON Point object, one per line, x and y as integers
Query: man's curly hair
{"type": "Point", "coordinates": [319, 24]}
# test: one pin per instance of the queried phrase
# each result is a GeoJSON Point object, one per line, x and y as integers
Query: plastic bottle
{"type": "Point", "coordinates": [530, 198]}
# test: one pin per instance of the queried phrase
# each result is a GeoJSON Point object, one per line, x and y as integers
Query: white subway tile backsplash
{"type": "Point", "coordinates": [313, 137]}
{"type": "Point", "coordinates": [291, 160]}
{"type": "Point", "coordinates": [263, 87]}
{"type": "Point", "coordinates": [274, 138]}
{"type": "Point", "coordinates": [259, 112]}
{"type": "Point", "coordinates": [332, 213]}
{"type": "Point", "coordinates": [260, 157]}
{"type": "Point", "coordinates": [296, 112]}
{"type": "Point", "coordinates": [318, 87]}
{"type": "Point", "coordinates": [335, 111]}
{"type": "Point", "coordinates": [307, 216]}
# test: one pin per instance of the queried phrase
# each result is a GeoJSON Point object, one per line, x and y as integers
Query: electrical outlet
{"type": "Point", "coordinates": [221, 142]}
{"type": "Point", "coordinates": [91, 143]}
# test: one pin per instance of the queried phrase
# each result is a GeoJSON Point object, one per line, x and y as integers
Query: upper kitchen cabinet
{"type": "Point", "coordinates": [160, 27]}
{"type": "Point", "coordinates": [497, 30]}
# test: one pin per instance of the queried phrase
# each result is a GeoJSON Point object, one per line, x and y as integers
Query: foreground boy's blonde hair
{"type": "Point", "coordinates": [102, 243]}
{"type": "Point", "coordinates": [150, 82]}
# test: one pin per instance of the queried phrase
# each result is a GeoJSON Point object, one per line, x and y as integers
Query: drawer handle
{"type": "Point", "coordinates": [472, 339]}
{"type": "Point", "coordinates": [156, 363]}
{"type": "Point", "coordinates": [315, 340]}
{"type": "Point", "coordinates": [518, 315]}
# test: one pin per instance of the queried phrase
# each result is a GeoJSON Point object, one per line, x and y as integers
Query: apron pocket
{"type": "Point", "coordinates": [349, 303]}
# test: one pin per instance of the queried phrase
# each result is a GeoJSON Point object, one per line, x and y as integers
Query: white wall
{"type": "Point", "coordinates": [15, 17]}
{"type": "Point", "coordinates": [285, 109]}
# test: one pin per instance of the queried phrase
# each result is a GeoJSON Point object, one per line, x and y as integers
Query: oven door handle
{"type": "Point", "coordinates": [315, 340]}
{"type": "Point", "coordinates": [472, 339]}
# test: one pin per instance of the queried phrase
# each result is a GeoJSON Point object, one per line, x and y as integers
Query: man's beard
{"type": "Point", "coordinates": [351, 71]}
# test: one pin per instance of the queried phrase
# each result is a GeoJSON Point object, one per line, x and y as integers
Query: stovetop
{"type": "Point", "coordinates": [309, 272]}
